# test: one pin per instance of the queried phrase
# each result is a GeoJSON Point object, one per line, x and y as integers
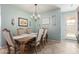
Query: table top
{"type": "Point", "coordinates": [27, 36]}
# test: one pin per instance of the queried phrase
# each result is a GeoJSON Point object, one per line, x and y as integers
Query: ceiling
{"type": "Point", "coordinates": [41, 7]}
{"type": "Point", "coordinates": [47, 7]}
{"type": "Point", "coordinates": [68, 7]}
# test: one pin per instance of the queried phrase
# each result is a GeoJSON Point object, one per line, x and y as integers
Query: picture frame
{"type": "Point", "coordinates": [54, 20]}
{"type": "Point", "coordinates": [22, 22]}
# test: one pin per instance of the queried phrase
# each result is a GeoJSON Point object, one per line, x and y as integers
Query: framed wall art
{"type": "Point", "coordinates": [22, 22]}
{"type": "Point", "coordinates": [54, 20]}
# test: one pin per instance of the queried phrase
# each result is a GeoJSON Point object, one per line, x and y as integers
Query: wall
{"type": "Point", "coordinates": [63, 21]}
{"type": "Point", "coordinates": [9, 12]}
{"type": "Point", "coordinates": [0, 25]}
{"type": "Point", "coordinates": [54, 32]}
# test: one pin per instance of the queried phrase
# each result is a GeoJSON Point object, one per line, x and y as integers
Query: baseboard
{"type": "Point", "coordinates": [0, 47]}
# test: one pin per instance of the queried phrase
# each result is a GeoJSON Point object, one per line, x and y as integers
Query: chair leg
{"type": "Point", "coordinates": [46, 41]}
{"type": "Point", "coordinates": [43, 44]}
{"type": "Point", "coordinates": [8, 50]}
{"type": "Point", "coordinates": [40, 47]}
{"type": "Point", "coordinates": [15, 50]}
{"type": "Point", "coordinates": [35, 49]}
{"type": "Point", "coordinates": [47, 38]}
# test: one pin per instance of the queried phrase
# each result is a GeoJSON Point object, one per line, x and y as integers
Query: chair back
{"type": "Point", "coordinates": [40, 34]}
{"type": "Point", "coordinates": [8, 37]}
{"type": "Point", "coordinates": [45, 33]}
{"type": "Point", "coordinates": [29, 30]}
{"type": "Point", "coordinates": [21, 31]}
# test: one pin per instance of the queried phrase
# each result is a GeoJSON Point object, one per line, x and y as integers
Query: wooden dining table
{"type": "Point", "coordinates": [23, 39]}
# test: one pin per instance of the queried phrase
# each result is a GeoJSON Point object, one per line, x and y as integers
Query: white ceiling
{"type": "Point", "coordinates": [41, 7]}
{"type": "Point", "coordinates": [47, 7]}
{"type": "Point", "coordinates": [67, 7]}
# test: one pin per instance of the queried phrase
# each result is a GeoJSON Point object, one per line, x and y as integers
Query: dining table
{"type": "Point", "coordinates": [23, 39]}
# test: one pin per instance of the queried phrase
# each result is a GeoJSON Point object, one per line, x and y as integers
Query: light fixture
{"type": "Point", "coordinates": [35, 15]}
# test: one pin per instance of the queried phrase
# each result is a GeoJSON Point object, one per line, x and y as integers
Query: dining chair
{"type": "Point", "coordinates": [11, 44]}
{"type": "Point", "coordinates": [44, 38]}
{"type": "Point", "coordinates": [37, 43]}
{"type": "Point", "coordinates": [24, 31]}
{"type": "Point", "coordinates": [21, 31]}
{"type": "Point", "coordinates": [29, 30]}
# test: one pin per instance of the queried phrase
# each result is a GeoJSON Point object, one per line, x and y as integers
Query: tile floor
{"type": "Point", "coordinates": [56, 47]}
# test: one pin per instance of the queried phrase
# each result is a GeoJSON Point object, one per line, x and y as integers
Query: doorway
{"type": "Point", "coordinates": [71, 28]}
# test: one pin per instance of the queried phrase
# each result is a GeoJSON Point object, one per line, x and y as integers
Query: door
{"type": "Point", "coordinates": [71, 28]}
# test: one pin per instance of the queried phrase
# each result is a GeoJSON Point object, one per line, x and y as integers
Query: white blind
{"type": "Point", "coordinates": [45, 20]}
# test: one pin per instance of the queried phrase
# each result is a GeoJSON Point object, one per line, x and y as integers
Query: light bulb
{"type": "Point", "coordinates": [38, 16]}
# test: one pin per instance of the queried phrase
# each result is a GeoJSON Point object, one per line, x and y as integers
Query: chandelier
{"type": "Point", "coordinates": [35, 15]}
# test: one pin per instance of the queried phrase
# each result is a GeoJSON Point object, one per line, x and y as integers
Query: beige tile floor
{"type": "Point", "coordinates": [61, 47]}
{"type": "Point", "coordinates": [3, 50]}
{"type": "Point", "coordinates": [56, 47]}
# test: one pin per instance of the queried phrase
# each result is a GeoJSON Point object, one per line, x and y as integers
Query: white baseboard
{"type": "Point", "coordinates": [0, 47]}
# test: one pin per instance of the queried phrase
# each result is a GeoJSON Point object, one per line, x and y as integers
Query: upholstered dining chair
{"type": "Point", "coordinates": [29, 30]}
{"type": "Point", "coordinates": [21, 31]}
{"type": "Point", "coordinates": [37, 42]}
{"type": "Point", "coordinates": [11, 44]}
{"type": "Point", "coordinates": [44, 38]}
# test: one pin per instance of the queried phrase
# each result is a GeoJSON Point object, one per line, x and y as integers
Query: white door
{"type": "Point", "coordinates": [71, 29]}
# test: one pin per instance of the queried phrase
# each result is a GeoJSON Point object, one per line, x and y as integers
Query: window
{"type": "Point", "coordinates": [45, 20]}
{"type": "Point", "coordinates": [71, 22]}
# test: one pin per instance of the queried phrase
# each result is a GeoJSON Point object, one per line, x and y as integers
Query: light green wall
{"type": "Point", "coordinates": [54, 32]}
{"type": "Point", "coordinates": [63, 21]}
{"type": "Point", "coordinates": [7, 13]}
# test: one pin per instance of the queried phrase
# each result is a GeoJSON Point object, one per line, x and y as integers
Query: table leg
{"type": "Point", "coordinates": [22, 47]}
